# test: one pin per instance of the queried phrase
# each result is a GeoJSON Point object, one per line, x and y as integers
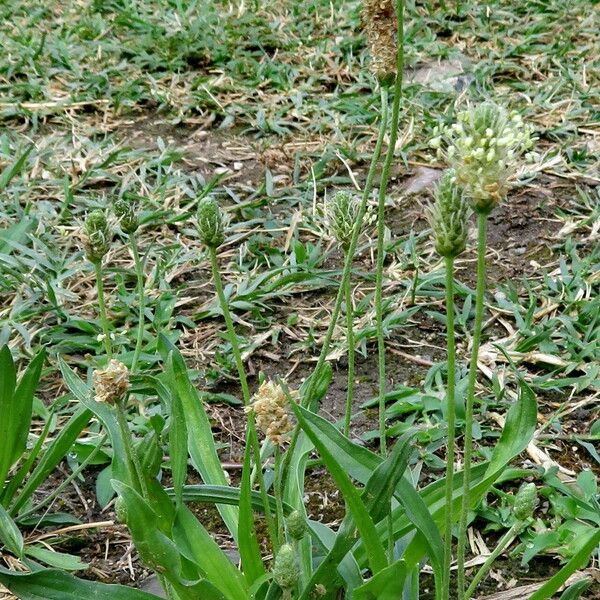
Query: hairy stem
{"type": "Point", "coordinates": [132, 456]}
{"type": "Point", "coordinates": [350, 339]}
{"type": "Point", "coordinates": [451, 418]}
{"type": "Point", "coordinates": [385, 176]}
{"type": "Point", "coordinates": [487, 565]}
{"type": "Point", "coordinates": [470, 401]}
{"type": "Point", "coordinates": [307, 400]}
{"type": "Point", "coordinates": [139, 272]}
{"type": "Point", "coordinates": [252, 438]}
{"type": "Point", "coordinates": [278, 498]}
{"type": "Point", "coordinates": [102, 308]}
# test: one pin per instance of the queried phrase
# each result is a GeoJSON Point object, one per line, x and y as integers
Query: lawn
{"type": "Point", "coordinates": [180, 185]}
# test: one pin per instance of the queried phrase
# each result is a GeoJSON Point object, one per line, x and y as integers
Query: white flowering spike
{"type": "Point", "coordinates": [484, 147]}
{"type": "Point", "coordinates": [272, 411]}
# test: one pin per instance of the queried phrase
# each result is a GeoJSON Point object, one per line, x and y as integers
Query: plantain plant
{"type": "Point", "coordinates": [483, 147]}
{"type": "Point", "coordinates": [391, 527]}
{"type": "Point", "coordinates": [383, 506]}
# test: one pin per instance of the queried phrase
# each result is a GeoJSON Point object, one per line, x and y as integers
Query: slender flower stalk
{"type": "Point", "coordinates": [342, 212]}
{"type": "Point", "coordinates": [210, 225]}
{"type": "Point", "coordinates": [132, 455]}
{"type": "Point", "coordinates": [470, 402]}
{"type": "Point", "coordinates": [102, 308]}
{"type": "Point", "coordinates": [525, 503]}
{"type": "Point", "coordinates": [399, 69]}
{"type": "Point", "coordinates": [252, 437]}
{"type": "Point", "coordinates": [379, 17]}
{"type": "Point", "coordinates": [448, 219]}
{"type": "Point", "coordinates": [504, 541]}
{"type": "Point", "coordinates": [350, 338]}
{"type": "Point", "coordinates": [97, 236]}
{"type": "Point", "coordinates": [125, 209]}
{"type": "Point", "coordinates": [451, 418]}
{"type": "Point", "coordinates": [139, 271]}
{"type": "Point", "coordinates": [278, 498]}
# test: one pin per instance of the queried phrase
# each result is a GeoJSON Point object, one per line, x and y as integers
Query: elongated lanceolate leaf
{"type": "Point", "coordinates": [49, 584]}
{"type": "Point", "coordinates": [201, 444]}
{"type": "Point", "coordinates": [360, 514]}
{"type": "Point", "coordinates": [579, 560]}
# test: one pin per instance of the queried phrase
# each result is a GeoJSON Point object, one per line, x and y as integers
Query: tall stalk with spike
{"type": "Point", "coordinates": [342, 212]}
{"type": "Point", "coordinates": [211, 229]}
{"type": "Point", "coordinates": [483, 147]}
{"type": "Point", "coordinates": [384, 25]}
{"type": "Point", "coordinates": [97, 237]}
{"type": "Point", "coordinates": [125, 211]}
{"type": "Point", "coordinates": [448, 219]}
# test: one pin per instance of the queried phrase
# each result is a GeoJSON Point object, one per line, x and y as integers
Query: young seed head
{"type": "Point", "coordinates": [484, 147]}
{"type": "Point", "coordinates": [296, 525]}
{"type": "Point", "coordinates": [111, 383]}
{"type": "Point", "coordinates": [379, 22]}
{"type": "Point", "coordinates": [97, 236]}
{"type": "Point", "coordinates": [210, 223]}
{"type": "Point", "coordinates": [448, 217]}
{"type": "Point", "coordinates": [125, 209]}
{"type": "Point", "coordinates": [285, 570]}
{"type": "Point", "coordinates": [271, 409]}
{"type": "Point", "coordinates": [525, 502]}
{"type": "Point", "coordinates": [341, 213]}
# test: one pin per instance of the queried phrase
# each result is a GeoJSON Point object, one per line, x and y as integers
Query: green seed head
{"type": "Point", "coordinates": [296, 525]}
{"type": "Point", "coordinates": [97, 236]}
{"type": "Point", "coordinates": [525, 502]}
{"type": "Point", "coordinates": [379, 21]}
{"type": "Point", "coordinates": [125, 210]}
{"type": "Point", "coordinates": [484, 147]}
{"type": "Point", "coordinates": [448, 217]}
{"type": "Point", "coordinates": [342, 212]}
{"type": "Point", "coordinates": [210, 223]}
{"type": "Point", "coordinates": [285, 571]}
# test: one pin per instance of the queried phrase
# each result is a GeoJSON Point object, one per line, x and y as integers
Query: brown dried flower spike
{"type": "Point", "coordinates": [271, 409]}
{"type": "Point", "coordinates": [111, 383]}
{"type": "Point", "coordinates": [379, 22]}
